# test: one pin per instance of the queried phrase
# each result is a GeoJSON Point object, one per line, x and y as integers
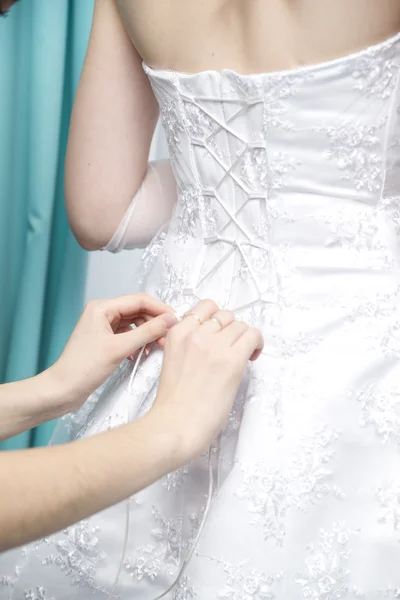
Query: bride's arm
{"type": "Point", "coordinates": [149, 209]}
{"type": "Point", "coordinates": [112, 125]}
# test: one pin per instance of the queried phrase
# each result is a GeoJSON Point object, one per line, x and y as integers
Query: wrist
{"type": "Point", "coordinates": [171, 440]}
{"type": "Point", "coordinates": [60, 397]}
{"type": "Point", "coordinates": [184, 441]}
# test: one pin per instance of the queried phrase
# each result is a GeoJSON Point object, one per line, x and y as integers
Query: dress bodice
{"type": "Point", "coordinates": [280, 171]}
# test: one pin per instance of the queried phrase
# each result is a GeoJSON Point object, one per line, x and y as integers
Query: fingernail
{"type": "Point", "coordinates": [133, 355]}
{"type": "Point", "coordinates": [170, 319]}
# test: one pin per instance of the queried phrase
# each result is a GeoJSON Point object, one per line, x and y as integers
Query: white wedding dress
{"type": "Point", "coordinates": [289, 213]}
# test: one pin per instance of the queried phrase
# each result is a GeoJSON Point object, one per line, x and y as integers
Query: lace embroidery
{"type": "Point", "coordinates": [185, 591]}
{"type": "Point", "coordinates": [172, 127]}
{"type": "Point", "coordinates": [354, 232]}
{"type": "Point", "coordinates": [326, 566]}
{"type": "Point", "coordinates": [175, 480]}
{"type": "Point", "coordinates": [199, 124]}
{"type": "Point", "coordinates": [391, 341]}
{"type": "Point", "coordinates": [380, 409]}
{"type": "Point", "coordinates": [78, 554]}
{"type": "Point", "coordinates": [356, 149]}
{"type": "Point", "coordinates": [173, 283]}
{"type": "Point", "coordinates": [379, 308]}
{"type": "Point", "coordinates": [279, 165]}
{"type": "Point", "coordinates": [38, 593]}
{"type": "Point", "coordinates": [245, 583]}
{"type": "Point", "coordinates": [307, 479]}
{"type": "Point", "coordinates": [161, 557]}
{"type": "Point", "coordinates": [276, 91]}
{"type": "Point", "coordinates": [390, 207]}
{"type": "Point", "coordinates": [194, 210]}
{"type": "Point", "coordinates": [388, 498]}
{"type": "Point", "coordinates": [150, 255]}
{"type": "Point", "coordinates": [375, 72]}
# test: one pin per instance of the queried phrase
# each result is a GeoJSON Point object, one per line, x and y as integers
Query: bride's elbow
{"type": "Point", "coordinates": [89, 230]}
{"type": "Point", "coordinates": [87, 241]}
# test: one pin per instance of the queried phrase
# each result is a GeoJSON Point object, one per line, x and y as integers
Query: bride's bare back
{"type": "Point", "coordinates": [115, 112]}
{"type": "Point", "coordinates": [254, 35]}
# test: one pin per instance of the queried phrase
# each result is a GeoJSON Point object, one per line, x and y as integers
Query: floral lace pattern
{"type": "Point", "coordinates": [307, 479]}
{"type": "Point", "coordinates": [244, 583]}
{"type": "Point", "coordinates": [327, 575]}
{"type": "Point", "coordinates": [380, 409]}
{"type": "Point", "coordinates": [375, 73]}
{"type": "Point", "coordinates": [78, 555]}
{"type": "Point", "coordinates": [38, 594]}
{"type": "Point", "coordinates": [388, 498]}
{"type": "Point", "coordinates": [163, 555]}
{"type": "Point", "coordinates": [356, 150]}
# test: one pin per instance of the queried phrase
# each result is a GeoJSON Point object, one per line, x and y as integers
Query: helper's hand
{"type": "Point", "coordinates": [102, 338]}
{"type": "Point", "coordinates": [205, 357]}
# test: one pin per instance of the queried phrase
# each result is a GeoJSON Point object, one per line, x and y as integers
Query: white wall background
{"type": "Point", "coordinates": [113, 274]}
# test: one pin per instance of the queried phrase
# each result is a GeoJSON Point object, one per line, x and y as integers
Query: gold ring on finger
{"type": "Point", "coordinates": [192, 314]}
{"type": "Point", "coordinates": [216, 320]}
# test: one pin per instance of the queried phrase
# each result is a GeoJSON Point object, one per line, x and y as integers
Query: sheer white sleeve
{"type": "Point", "coordinates": [151, 207]}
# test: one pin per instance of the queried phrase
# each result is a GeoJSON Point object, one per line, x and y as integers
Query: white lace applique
{"type": "Point", "coordinates": [253, 260]}
{"type": "Point", "coordinates": [174, 481]}
{"type": "Point", "coordinates": [198, 123]}
{"type": "Point", "coordinates": [78, 554]}
{"type": "Point", "coordinates": [307, 479]}
{"type": "Point", "coordinates": [184, 590]}
{"type": "Point", "coordinates": [391, 592]}
{"type": "Point", "coordinates": [172, 126]}
{"type": "Point", "coordinates": [388, 498]}
{"type": "Point", "coordinates": [248, 89]}
{"type": "Point", "coordinates": [150, 256]}
{"type": "Point", "coordinates": [253, 168]}
{"type": "Point", "coordinates": [280, 164]}
{"type": "Point", "coordinates": [8, 581]}
{"type": "Point", "coordinates": [266, 493]}
{"type": "Point", "coordinates": [276, 91]}
{"type": "Point", "coordinates": [375, 72]}
{"type": "Point", "coordinates": [390, 207]}
{"type": "Point", "coordinates": [357, 231]}
{"type": "Point", "coordinates": [266, 174]}
{"type": "Point", "coordinates": [326, 574]}
{"type": "Point", "coordinates": [246, 583]}
{"type": "Point", "coordinates": [270, 405]}
{"type": "Point", "coordinates": [161, 557]}
{"type": "Point", "coordinates": [381, 307]}
{"type": "Point", "coordinates": [195, 210]}
{"type": "Point", "coordinates": [356, 150]}
{"type": "Point", "coordinates": [144, 386]}
{"type": "Point", "coordinates": [301, 344]}
{"type": "Point", "coordinates": [391, 341]}
{"type": "Point", "coordinates": [235, 418]}
{"type": "Point", "coordinates": [39, 593]}
{"type": "Point", "coordinates": [173, 283]}
{"type": "Point", "coordinates": [380, 409]}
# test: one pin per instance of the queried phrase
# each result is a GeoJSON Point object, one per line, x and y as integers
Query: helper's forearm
{"type": "Point", "coordinates": [81, 478]}
{"type": "Point", "coordinates": [30, 402]}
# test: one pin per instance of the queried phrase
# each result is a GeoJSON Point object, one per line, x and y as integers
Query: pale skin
{"type": "Point", "coordinates": [115, 112]}
{"type": "Point", "coordinates": [204, 362]}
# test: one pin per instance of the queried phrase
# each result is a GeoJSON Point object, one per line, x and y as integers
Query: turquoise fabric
{"type": "Point", "coordinates": [42, 268]}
